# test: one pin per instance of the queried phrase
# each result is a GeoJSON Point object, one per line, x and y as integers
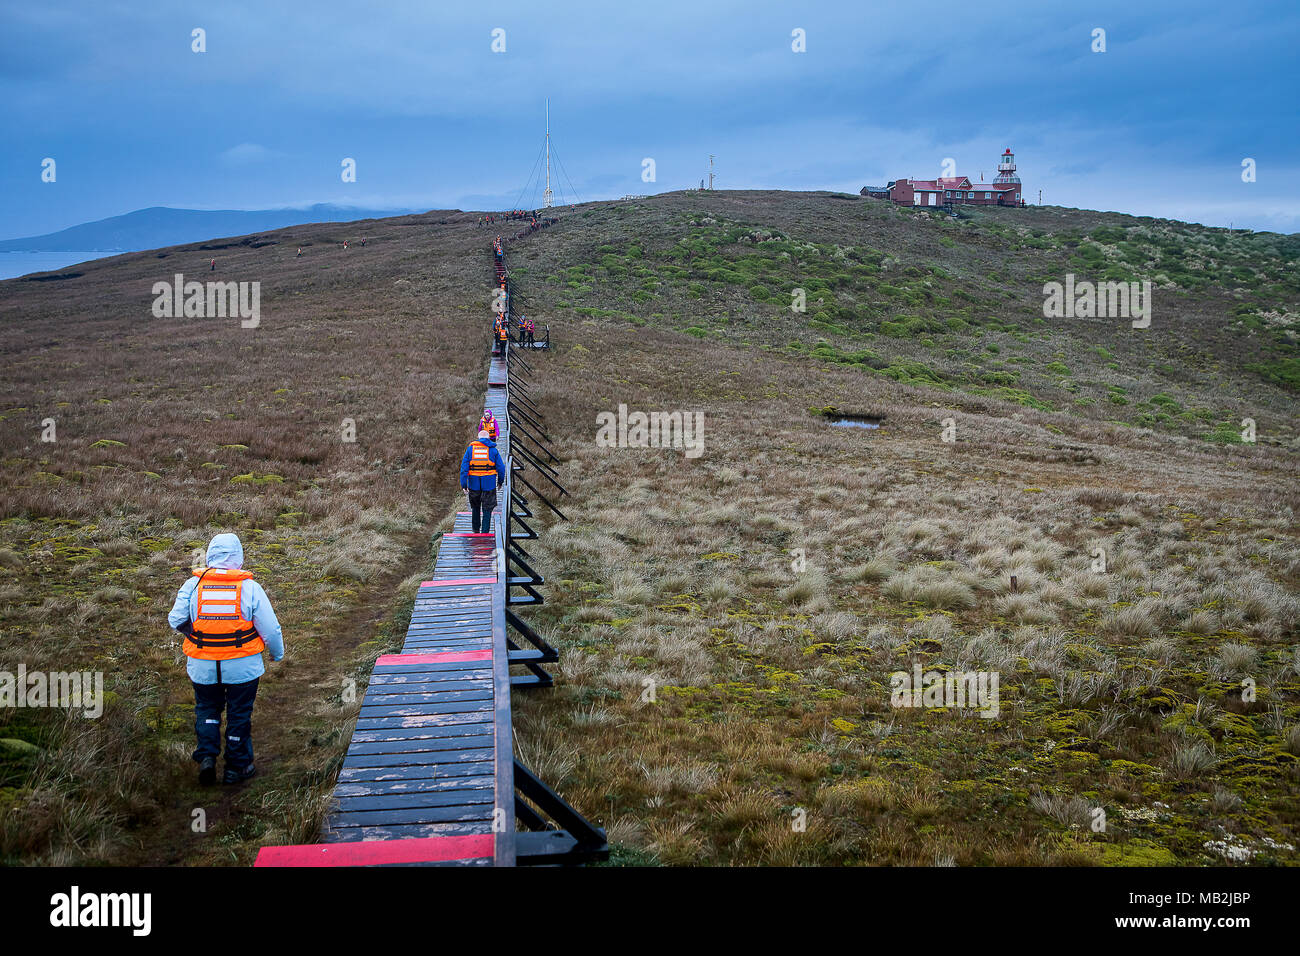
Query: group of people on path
{"type": "Point", "coordinates": [500, 336]}
{"type": "Point", "coordinates": [494, 217]}
{"type": "Point", "coordinates": [526, 331]}
{"type": "Point", "coordinates": [535, 223]}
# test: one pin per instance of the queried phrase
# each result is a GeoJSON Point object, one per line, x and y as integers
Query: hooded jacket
{"type": "Point", "coordinates": [225, 551]}
{"type": "Point", "coordinates": [473, 483]}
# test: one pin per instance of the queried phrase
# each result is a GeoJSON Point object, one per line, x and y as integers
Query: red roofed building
{"type": "Point", "coordinates": [1005, 189]}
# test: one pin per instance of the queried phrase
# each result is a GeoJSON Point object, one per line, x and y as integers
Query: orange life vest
{"type": "Point", "coordinates": [488, 425]}
{"type": "Point", "coordinates": [480, 460]}
{"type": "Point", "coordinates": [220, 631]}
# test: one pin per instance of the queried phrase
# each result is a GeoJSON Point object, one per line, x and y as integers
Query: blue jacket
{"type": "Point", "coordinates": [471, 483]}
{"type": "Point", "coordinates": [225, 551]}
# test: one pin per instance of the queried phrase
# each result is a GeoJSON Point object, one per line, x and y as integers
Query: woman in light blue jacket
{"type": "Point", "coordinates": [223, 674]}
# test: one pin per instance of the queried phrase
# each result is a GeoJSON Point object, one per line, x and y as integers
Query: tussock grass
{"type": "Point", "coordinates": [929, 589]}
{"type": "Point", "coordinates": [1071, 811]}
{"type": "Point", "coordinates": [1191, 758]}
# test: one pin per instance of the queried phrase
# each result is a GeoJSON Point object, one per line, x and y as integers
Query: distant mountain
{"type": "Point", "coordinates": [162, 226]}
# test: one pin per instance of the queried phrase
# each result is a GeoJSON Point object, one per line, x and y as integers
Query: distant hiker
{"type": "Point", "coordinates": [363, 240]}
{"type": "Point", "coordinates": [529, 328]}
{"type": "Point", "coordinates": [488, 423]}
{"type": "Point", "coordinates": [500, 336]}
{"type": "Point", "coordinates": [227, 621]}
{"type": "Point", "coordinates": [345, 244]}
{"type": "Point", "coordinates": [298, 253]}
{"type": "Point", "coordinates": [214, 266]}
{"type": "Point", "coordinates": [482, 472]}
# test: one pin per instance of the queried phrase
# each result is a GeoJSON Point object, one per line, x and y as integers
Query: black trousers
{"type": "Point", "coordinates": [481, 504]}
{"type": "Point", "coordinates": [237, 701]}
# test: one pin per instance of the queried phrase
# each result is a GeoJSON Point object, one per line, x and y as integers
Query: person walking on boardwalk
{"type": "Point", "coordinates": [482, 472]}
{"type": "Point", "coordinates": [488, 423]}
{"type": "Point", "coordinates": [529, 329]}
{"type": "Point", "coordinates": [227, 621]}
{"type": "Point", "coordinates": [502, 336]}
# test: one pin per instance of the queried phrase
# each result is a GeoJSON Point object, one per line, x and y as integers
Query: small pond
{"type": "Point", "coordinates": [853, 419]}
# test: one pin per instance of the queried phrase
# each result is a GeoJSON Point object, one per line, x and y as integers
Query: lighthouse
{"type": "Point", "coordinates": [1007, 170]}
{"type": "Point", "coordinates": [1007, 180]}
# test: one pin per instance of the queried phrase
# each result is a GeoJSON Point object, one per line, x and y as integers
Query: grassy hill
{"type": "Point", "coordinates": [958, 304]}
{"type": "Point", "coordinates": [765, 590]}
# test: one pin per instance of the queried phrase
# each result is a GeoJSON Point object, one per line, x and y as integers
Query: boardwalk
{"type": "Point", "coordinates": [430, 776]}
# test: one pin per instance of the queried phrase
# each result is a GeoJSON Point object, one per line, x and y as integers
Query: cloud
{"type": "Point", "coordinates": [415, 94]}
{"type": "Point", "coordinates": [247, 154]}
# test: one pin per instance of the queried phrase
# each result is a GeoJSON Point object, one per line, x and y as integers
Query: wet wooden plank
{"type": "Point", "coordinates": [417, 772]}
{"type": "Point", "coordinates": [417, 799]}
{"type": "Point", "coordinates": [424, 707]}
{"type": "Point", "coordinates": [465, 750]}
{"type": "Point", "coordinates": [422, 744]}
{"type": "Point", "coordinates": [478, 809]}
{"type": "Point", "coordinates": [406, 831]}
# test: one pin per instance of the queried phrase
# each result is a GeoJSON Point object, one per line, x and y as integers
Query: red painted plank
{"type": "Point", "coordinates": [470, 534]}
{"type": "Point", "coordinates": [379, 852]}
{"type": "Point", "coordinates": [447, 657]}
{"type": "Point", "coordinates": [446, 582]}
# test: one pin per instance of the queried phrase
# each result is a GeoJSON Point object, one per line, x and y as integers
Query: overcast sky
{"type": "Point", "coordinates": [1158, 124]}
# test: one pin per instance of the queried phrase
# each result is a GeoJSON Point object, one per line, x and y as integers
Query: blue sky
{"type": "Point", "coordinates": [1157, 125]}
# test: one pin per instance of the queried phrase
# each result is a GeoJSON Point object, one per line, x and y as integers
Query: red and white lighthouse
{"type": "Point", "coordinates": [1007, 171]}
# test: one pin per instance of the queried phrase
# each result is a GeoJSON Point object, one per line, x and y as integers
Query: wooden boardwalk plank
{"type": "Point", "coordinates": [476, 809]}
{"type": "Point", "coordinates": [416, 745]}
{"type": "Point", "coordinates": [414, 774]}
{"type": "Point", "coordinates": [418, 799]}
{"type": "Point", "coordinates": [465, 750]}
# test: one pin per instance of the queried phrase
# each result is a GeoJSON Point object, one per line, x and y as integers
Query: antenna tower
{"type": "Point", "coordinates": [546, 194]}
